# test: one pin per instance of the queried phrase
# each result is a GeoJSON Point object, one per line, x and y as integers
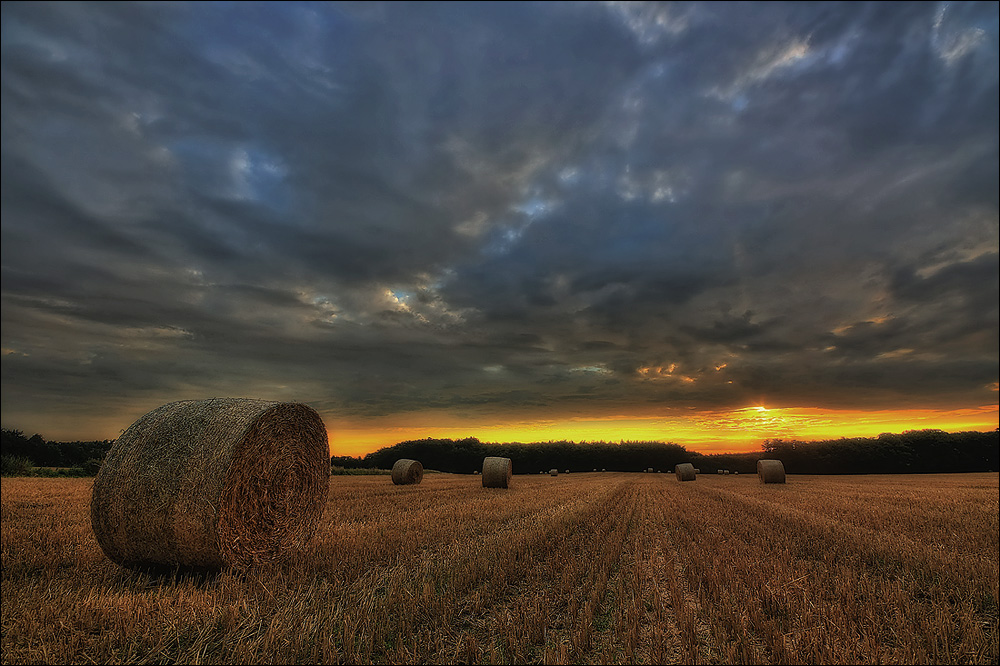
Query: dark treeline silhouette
{"type": "Point", "coordinates": [913, 451]}
{"type": "Point", "coordinates": [466, 455]}
{"type": "Point", "coordinates": [13, 444]}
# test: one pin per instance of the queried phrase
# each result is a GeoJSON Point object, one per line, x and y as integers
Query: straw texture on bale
{"type": "Point", "coordinates": [212, 483]}
{"type": "Point", "coordinates": [407, 472]}
{"type": "Point", "coordinates": [497, 472]}
{"type": "Point", "coordinates": [770, 471]}
{"type": "Point", "coordinates": [684, 472]}
{"type": "Point", "coordinates": [553, 472]}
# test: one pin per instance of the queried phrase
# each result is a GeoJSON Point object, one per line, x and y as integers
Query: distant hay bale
{"type": "Point", "coordinates": [497, 472]}
{"type": "Point", "coordinates": [697, 471]}
{"type": "Point", "coordinates": [684, 472]}
{"type": "Point", "coordinates": [604, 469]}
{"type": "Point", "coordinates": [721, 471]}
{"type": "Point", "coordinates": [649, 470]}
{"type": "Point", "coordinates": [553, 472]}
{"type": "Point", "coordinates": [735, 472]}
{"type": "Point", "coordinates": [212, 483]}
{"type": "Point", "coordinates": [770, 471]}
{"type": "Point", "coordinates": [407, 472]}
{"type": "Point", "coordinates": [725, 471]}
{"type": "Point", "coordinates": [567, 471]}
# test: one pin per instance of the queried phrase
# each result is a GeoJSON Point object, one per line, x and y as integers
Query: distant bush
{"type": "Point", "coordinates": [15, 466]}
{"type": "Point", "coordinates": [92, 466]}
{"type": "Point", "coordinates": [51, 454]}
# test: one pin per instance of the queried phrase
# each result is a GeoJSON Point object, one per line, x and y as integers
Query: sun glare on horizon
{"type": "Point", "coordinates": [733, 431]}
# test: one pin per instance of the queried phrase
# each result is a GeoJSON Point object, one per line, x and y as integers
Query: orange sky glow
{"type": "Point", "coordinates": [734, 431]}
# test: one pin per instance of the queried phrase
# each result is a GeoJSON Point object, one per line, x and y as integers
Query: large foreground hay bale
{"type": "Point", "coordinates": [497, 472]}
{"type": "Point", "coordinates": [684, 472]}
{"type": "Point", "coordinates": [407, 472]}
{"type": "Point", "coordinates": [770, 471]}
{"type": "Point", "coordinates": [553, 472]}
{"type": "Point", "coordinates": [211, 483]}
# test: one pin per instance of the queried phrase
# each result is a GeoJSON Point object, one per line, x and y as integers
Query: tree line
{"type": "Point", "coordinates": [913, 451]}
{"type": "Point", "coordinates": [19, 453]}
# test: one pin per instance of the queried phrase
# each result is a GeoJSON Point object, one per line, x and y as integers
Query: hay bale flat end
{"type": "Point", "coordinates": [407, 472]}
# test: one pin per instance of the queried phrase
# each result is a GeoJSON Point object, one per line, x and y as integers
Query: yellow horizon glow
{"type": "Point", "coordinates": [731, 431]}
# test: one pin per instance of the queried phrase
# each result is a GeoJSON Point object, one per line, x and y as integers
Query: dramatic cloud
{"type": "Point", "coordinates": [497, 210]}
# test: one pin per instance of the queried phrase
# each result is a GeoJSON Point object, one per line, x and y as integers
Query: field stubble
{"type": "Point", "coordinates": [585, 568]}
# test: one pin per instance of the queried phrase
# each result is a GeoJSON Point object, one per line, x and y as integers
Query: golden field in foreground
{"type": "Point", "coordinates": [579, 568]}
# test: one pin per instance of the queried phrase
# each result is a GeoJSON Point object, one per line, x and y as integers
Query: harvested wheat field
{"type": "Point", "coordinates": [584, 568]}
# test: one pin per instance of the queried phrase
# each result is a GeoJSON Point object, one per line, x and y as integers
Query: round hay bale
{"type": "Point", "coordinates": [697, 471]}
{"type": "Point", "coordinates": [497, 472]}
{"type": "Point", "coordinates": [770, 471]}
{"type": "Point", "coordinates": [407, 472]}
{"type": "Point", "coordinates": [736, 473]}
{"type": "Point", "coordinates": [684, 472]}
{"type": "Point", "coordinates": [720, 471]}
{"type": "Point", "coordinates": [553, 472]}
{"type": "Point", "coordinates": [725, 471]}
{"type": "Point", "coordinates": [567, 471]}
{"type": "Point", "coordinates": [212, 483]}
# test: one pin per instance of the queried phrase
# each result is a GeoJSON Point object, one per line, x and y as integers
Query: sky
{"type": "Point", "coordinates": [703, 223]}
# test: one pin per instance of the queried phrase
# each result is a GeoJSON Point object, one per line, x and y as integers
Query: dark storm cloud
{"type": "Point", "coordinates": [378, 208]}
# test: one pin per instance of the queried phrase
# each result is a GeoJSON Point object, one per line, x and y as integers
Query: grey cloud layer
{"type": "Point", "coordinates": [378, 208]}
